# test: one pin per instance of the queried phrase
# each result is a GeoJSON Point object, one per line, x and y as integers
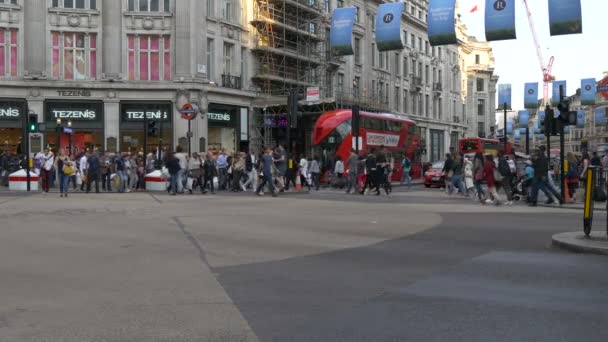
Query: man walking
{"type": "Point", "coordinates": [251, 169]}
{"type": "Point", "coordinates": [93, 172]}
{"type": "Point", "coordinates": [46, 168]}
{"type": "Point", "coordinates": [541, 168]}
{"type": "Point", "coordinates": [222, 169]}
{"type": "Point", "coordinates": [267, 162]}
{"type": "Point", "coordinates": [183, 167]}
{"type": "Point", "coordinates": [407, 168]}
{"type": "Point", "coordinates": [353, 171]}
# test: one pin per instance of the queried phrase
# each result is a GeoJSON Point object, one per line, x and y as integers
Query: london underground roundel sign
{"type": "Point", "coordinates": [188, 111]}
{"type": "Point", "coordinates": [603, 88]}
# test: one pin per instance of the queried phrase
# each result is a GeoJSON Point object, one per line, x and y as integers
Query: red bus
{"type": "Point", "coordinates": [483, 145]}
{"type": "Point", "coordinates": [332, 137]}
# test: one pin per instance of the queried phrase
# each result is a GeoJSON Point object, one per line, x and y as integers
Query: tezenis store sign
{"type": "Point", "coordinates": [74, 111]}
{"type": "Point", "coordinates": [10, 113]}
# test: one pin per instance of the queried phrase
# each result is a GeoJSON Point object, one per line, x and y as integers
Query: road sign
{"type": "Point", "coordinates": [188, 111]}
{"type": "Point", "coordinates": [603, 88]}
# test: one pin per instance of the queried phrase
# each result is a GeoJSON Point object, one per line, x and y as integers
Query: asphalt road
{"type": "Point", "coordinates": [324, 266]}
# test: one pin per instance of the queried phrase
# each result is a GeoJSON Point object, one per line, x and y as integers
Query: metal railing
{"type": "Point", "coordinates": [230, 81]}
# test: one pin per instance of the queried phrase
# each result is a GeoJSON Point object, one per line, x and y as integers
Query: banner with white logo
{"type": "Point", "coordinates": [378, 139]}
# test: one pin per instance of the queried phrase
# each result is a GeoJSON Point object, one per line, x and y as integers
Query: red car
{"type": "Point", "coordinates": [434, 176]}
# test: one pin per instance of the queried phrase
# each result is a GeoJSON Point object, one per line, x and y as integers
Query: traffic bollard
{"type": "Point", "coordinates": [589, 189]}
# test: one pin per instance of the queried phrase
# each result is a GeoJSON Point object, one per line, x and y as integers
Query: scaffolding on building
{"type": "Point", "coordinates": [289, 49]}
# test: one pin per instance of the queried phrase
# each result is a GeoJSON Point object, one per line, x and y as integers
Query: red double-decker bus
{"type": "Point", "coordinates": [332, 137]}
{"type": "Point", "coordinates": [471, 146]}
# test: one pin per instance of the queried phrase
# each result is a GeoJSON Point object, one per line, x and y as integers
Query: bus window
{"type": "Point", "coordinates": [377, 124]}
{"type": "Point", "coordinates": [470, 146]}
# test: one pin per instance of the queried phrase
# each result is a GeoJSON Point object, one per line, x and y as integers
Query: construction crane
{"type": "Point", "coordinates": [546, 69]}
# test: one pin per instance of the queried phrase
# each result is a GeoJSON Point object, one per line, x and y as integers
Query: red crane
{"type": "Point", "coordinates": [546, 69]}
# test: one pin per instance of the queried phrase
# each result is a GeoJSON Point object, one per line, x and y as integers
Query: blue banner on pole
{"type": "Point", "coordinates": [509, 127]}
{"type": "Point", "coordinates": [531, 95]}
{"type": "Point", "coordinates": [565, 17]}
{"type": "Point", "coordinates": [555, 97]}
{"type": "Point", "coordinates": [522, 131]}
{"type": "Point", "coordinates": [516, 135]}
{"type": "Point", "coordinates": [388, 26]}
{"type": "Point", "coordinates": [504, 96]}
{"type": "Point", "coordinates": [341, 31]}
{"type": "Point", "coordinates": [441, 26]}
{"type": "Point", "coordinates": [600, 116]}
{"type": "Point", "coordinates": [500, 20]}
{"type": "Point", "coordinates": [588, 91]}
{"type": "Point", "coordinates": [523, 118]}
{"type": "Point", "coordinates": [580, 119]}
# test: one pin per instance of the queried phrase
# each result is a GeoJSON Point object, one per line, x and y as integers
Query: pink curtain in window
{"type": "Point", "coordinates": [154, 58]}
{"type": "Point", "coordinates": [13, 52]}
{"type": "Point", "coordinates": [167, 58]}
{"type": "Point", "coordinates": [2, 49]}
{"type": "Point", "coordinates": [143, 58]}
{"type": "Point", "coordinates": [131, 49]}
{"type": "Point", "coordinates": [55, 54]}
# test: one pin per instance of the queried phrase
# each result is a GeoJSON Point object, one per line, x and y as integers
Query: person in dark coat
{"type": "Point", "coordinates": [172, 164]}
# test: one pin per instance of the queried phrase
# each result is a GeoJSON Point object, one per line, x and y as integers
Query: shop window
{"type": "Point", "coordinates": [149, 5]}
{"type": "Point", "coordinates": [149, 57]}
{"type": "Point", "coordinates": [8, 52]}
{"type": "Point", "coordinates": [74, 55]}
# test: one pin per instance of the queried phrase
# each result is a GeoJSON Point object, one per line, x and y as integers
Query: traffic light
{"type": "Point", "coordinates": [152, 132]}
{"type": "Point", "coordinates": [32, 123]}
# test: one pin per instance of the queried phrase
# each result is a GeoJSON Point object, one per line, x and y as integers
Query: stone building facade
{"type": "Point", "coordinates": [100, 65]}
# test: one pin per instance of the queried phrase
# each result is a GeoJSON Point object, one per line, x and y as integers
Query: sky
{"type": "Point", "coordinates": [577, 56]}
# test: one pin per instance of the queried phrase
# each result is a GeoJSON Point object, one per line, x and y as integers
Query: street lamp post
{"type": "Point", "coordinates": [70, 140]}
{"type": "Point", "coordinates": [58, 130]}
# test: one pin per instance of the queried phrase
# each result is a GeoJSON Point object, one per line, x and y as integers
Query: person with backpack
{"type": "Point", "coordinates": [407, 169]}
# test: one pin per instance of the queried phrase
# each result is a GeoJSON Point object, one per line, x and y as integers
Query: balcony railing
{"type": "Point", "coordinates": [437, 86]}
{"type": "Point", "coordinates": [456, 119]}
{"type": "Point", "coordinates": [230, 81]}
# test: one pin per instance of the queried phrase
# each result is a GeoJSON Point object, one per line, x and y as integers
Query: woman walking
{"type": "Point", "coordinates": [195, 165]}
{"type": "Point", "coordinates": [478, 176]}
{"type": "Point", "coordinates": [65, 169]}
{"type": "Point", "coordinates": [489, 168]}
{"type": "Point", "coordinates": [210, 173]}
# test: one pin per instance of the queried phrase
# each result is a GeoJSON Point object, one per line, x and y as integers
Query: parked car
{"type": "Point", "coordinates": [434, 176]}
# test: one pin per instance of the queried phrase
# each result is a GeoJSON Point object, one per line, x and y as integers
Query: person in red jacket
{"type": "Point", "coordinates": [488, 170]}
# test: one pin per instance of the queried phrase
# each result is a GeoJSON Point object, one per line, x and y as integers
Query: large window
{"type": "Point", "coordinates": [8, 52]}
{"type": "Point", "coordinates": [228, 57]}
{"type": "Point", "coordinates": [74, 55]}
{"type": "Point", "coordinates": [405, 67]}
{"type": "Point", "coordinates": [78, 4]}
{"type": "Point", "coordinates": [211, 9]}
{"type": "Point", "coordinates": [357, 51]}
{"type": "Point", "coordinates": [481, 107]}
{"type": "Point", "coordinates": [149, 5]}
{"type": "Point", "coordinates": [149, 57]}
{"type": "Point", "coordinates": [227, 9]}
{"type": "Point", "coordinates": [480, 84]}
{"type": "Point", "coordinates": [210, 59]}
{"type": "Point", "coordinates": [12, 2]}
